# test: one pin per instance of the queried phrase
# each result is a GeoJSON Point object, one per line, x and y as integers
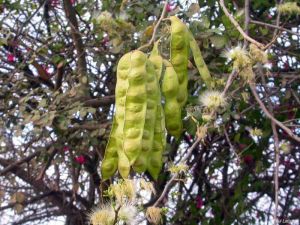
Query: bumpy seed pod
{"type": "Point", "coordinates": [179, 51]}
{"type": "Point", "coordinates": [159, 143]}
{"type": "Point", "coordinates": [110, 161]}
{"type": "Point", "coordinates": [157, 60]}
{"type": "Point", "coordinates": [200, 64]}
{"type": "Point", "coordinates": [170, 88]}
{"type": "Point", "coordinates": [135, 106]}
{"type": "Point", "coordinates": [152, 88]}
{"type": "Point", "coordinates": [114, 147]}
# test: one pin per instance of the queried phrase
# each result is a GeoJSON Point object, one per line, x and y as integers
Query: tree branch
{"type": "Point", "coordinates": [269, 115]}
{"type": "Point", "coordinates": [155, 28]}
{"type": "Point", "coordinates": [238, 27]}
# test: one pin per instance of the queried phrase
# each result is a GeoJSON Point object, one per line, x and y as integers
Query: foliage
{"type": "Point", "coordinates": [58, 69]}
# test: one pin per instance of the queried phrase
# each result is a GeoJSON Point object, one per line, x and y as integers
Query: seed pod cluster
{"type": "Point", "coordinates": [138, 139]}
{"type": "Point", "coordinates": [135, 140]}
{"type": "Point", "coordinates": [175, 82]}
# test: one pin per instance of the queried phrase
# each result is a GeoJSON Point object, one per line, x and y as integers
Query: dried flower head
{"type": "Point", "coordinates": [256, 132]}
{"type": "Point", "coordinates": [201, 132]}
{"type": "Point", "coordinates": [212, 99]}
{"type": "Point", "coordinates": [239, 56]}
{"type": "Point", "coordinates": [285, 146]}
{"type": "Point", "coordinates": [207, 117]}
{"type": "Point", "coordinates": [257, 54]}
{"type": "Point", "coordinates": [180, 168]}
{"type": "Point", "coordinates": [289, 8]}
{"type": "Point", "coordinates": [128, 213]}
{"type": "Point", "coordinates": [148, 186]}
{"type": "Point", "coordinates": [103, 215]}
{"type": "Point", "coordinates": [153, 215]}
{"type": "Point", "coordinates": [124, 191]}
{"type": "Point", "coordinates": [247, 73]}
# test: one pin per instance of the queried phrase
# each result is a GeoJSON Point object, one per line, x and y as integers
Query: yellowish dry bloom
{"type": "Point", "coordinates": [129, 189]}
{"type": "Point", "coordinates": [256, 132]}
{"type": "Point", "coordinates": [180, 168]}
{"type": "Point", "coordinates": [207, 117]}
{"type": "Point", "coordinates": [289, 8]}
{"type": "Point", "coordinates": [148, 186]}
{"type": "Point", "coordinates": [153, 215]}
{"type": "Point", "coordinates": [257, 54]}
{"type": "Point", "coordinates": [124, 191]}
{"type": "Point", "coordinates": [212, 99]}
{"type": "Point", "coordinates": [247, 73]}
{"type": "Point", "coordinates": [239, 56]}
{"type": "Point", "coordinates": [285, 146]}
{"type": "Point", "coordinates": [104, 215]}
{"type": "Point", "coordinates": [201, 132]}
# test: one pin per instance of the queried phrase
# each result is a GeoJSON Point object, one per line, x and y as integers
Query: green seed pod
{"type": "Point", "coordinates": [112, 151]}
{"type": "Point", "coordinates": [200, 64]}
{"type": "Point", "coordinates": [159, 143]}
{"type": "Point", "coordinates": [135, 106]}
{"type": "Point", "coordinates": [179, 52]}
{"type": "Point", "coordinates": [157, 60]}
{"type": "Point", "coordinates": [123, 164]}
{"type": "Point", "coordinates": [172, 109]}
{"type": "Point", "coordinates": [110, 161]}
{"type": "Point", "coordinates": [148, 132]}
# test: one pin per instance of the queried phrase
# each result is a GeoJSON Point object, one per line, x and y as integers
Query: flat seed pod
{"type": "Point", "coordinates": [200, 64]}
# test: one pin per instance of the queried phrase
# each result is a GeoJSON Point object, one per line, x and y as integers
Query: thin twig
{"type": "Point", "coordinates": [247, 20]}
{"type": "Point", "coordinates": [190, 150]}
{"type": "Point", "coordinates": [269, 115]}
{"type": "Point", "coordinates": [274, 26]}
{"type": "Point", "coordinates": [174, 177]}
{"type": "Point", "coordinates": [238, 27]}
{"type": "Point", "coordinates": [162, 16]}
{"type": "Point", "coordinates": [276, 181]}
{"type": "Point", "coordinates": [231, 145]}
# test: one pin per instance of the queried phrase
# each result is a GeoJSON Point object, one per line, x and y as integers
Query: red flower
{"type": "Point", "coordinates": [248, 159]}
{"type": "Point", "coordinates": [199, 202]}
{"type": "Point", "coordinates": [10, 57]}
{"type": "Point", "coordinates": [54, 3]}
{"type": "Point", "coordinates": [170, 7]}
{"type": "Point", "coordinates": [72, 1]}
{"type": "Point", "coordinates": [66, 148]}
{"type": "Point", "coordinates": [80, 159]}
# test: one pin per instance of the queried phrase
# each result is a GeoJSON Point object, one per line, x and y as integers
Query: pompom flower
{"type": "Point", "coordinates": [103, 215]}
{"type": "Point", "coordinates": [238, 55]}
{"type": "Point", "coordinates": [289, 8]}
{"type": "Point", "coordinates": [153, 215]}
{"type": "Point", "coordinates": [127, 213]}
{"type": "Point", "coordinates": [258, 55]}
{"type": "Point", "coordinates": [124, 191]}
{"type": "Point", "coordinates": [212, 99]}
{"type": "Point", "coordinates": [285, 146]}
{"type": "Point", "coordinates": [148, 186]}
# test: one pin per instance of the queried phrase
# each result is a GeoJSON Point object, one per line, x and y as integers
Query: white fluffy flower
{"type": "Point", "coordinates": [103, 215]}
{"type": "Point", "coordinates": [212, 99]}
{"type": "Point", "coordinates": [153, 215]}
{"type": "Point", "coordinates": [238, 55]}
{"type": "Point", "coordinates": [128, 213]}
